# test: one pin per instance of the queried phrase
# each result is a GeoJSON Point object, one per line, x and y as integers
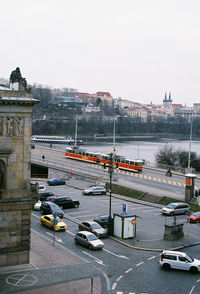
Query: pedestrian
{"type": "Point", "coordinates": [196, 193]}
{"type": "Point", "coordinates": [43, 157]}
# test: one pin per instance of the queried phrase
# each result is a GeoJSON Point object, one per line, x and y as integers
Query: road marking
{"type": "Point", "coordinates": [83, 216]}
{"type": "Point", "coordinates": [57, 239]}
{"type": "Point", "coordinates": [118, 255]}
{"type": "Point", "coordinates": [140, 263]}
{"type": "Point", "coordinates": [95, 258]}
{"type": "Point", "coordinates": [21, 280]}
{"type": "Point", "coordinates": [128, 270]}
{"type": "Point", "coordinates": [152, 257]}
{"type": "Point", "coordinates": [77, 212]}
{"type": "Point", "coordinates": [192, 290]}
{"type": "Point", "coordinates": [70, 233]}
{"type": "Point", "coordinates": [118, 279]}
{"type": "Point", "coordinates": [150, 210]}
{"type": "Point", "coordinates": [114, 286]}
{"type": "Point", "coordinates": [35, 215]}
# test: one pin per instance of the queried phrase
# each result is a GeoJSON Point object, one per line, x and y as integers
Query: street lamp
{"type": "Point", "coordinates": [189, 154]}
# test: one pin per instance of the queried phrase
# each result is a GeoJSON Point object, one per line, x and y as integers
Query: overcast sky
{"type": "Point", "coordinates": [137, 50]}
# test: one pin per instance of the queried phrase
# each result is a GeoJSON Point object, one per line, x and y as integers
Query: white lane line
{"type": "Point", "coordinates": [119, 292]}
{"type": "Point", "coordinates": [192, 290]}
{"type": "Point", "coordinates": [140, 263]}
{"type": "Point", "coordinates": [128, 270]}
{"type": "Point", "coordinates": [89, 215]}
{"type": "Point", "coordinates": [70, 233]}
{"type": "Point", "coordinates": [152, 257]}
{"type": "Point", "coordinates": [114, 286]}
{"type": "Point", "coordinates": [99, 261]}
{"type": "Point", "coordinates": [77, 212]}
{"type": "Point", "coordinates": [35, 215]}
{"type": "Point", "coordinates": [150, 210]}
{"type": "Point", "coordinates": [198, 281]}
{"type": "Point", "coordinates": [118, 255]}
{"type": "Point", "coordinates": [118, 279]}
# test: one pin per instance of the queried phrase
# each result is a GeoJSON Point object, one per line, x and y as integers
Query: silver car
{"type": "Point", "coordinates": [88, 239]}
{"type": "Point", "coordinates": [176, 208]}
{"type": "Point", "coordinates": [95, 191]}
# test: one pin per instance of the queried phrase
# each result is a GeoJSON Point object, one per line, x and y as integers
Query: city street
{"type": "Point", "coordinates": [128, 270]}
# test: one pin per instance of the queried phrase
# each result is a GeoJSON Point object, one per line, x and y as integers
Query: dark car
{"type": "Point", "coordinates": [51, 208]}
{"type": "Point", "coordinates": [44, 195]}
{"type": "Point", "coordinates": [94, 228]}
{"type": "Point", "coordinates": [102, 220]}
{"type": "Point", "coordinates": [54, 182]}
{"type": "Point", "coordinates": [64, 201]}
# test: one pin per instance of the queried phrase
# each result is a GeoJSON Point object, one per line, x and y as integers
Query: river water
{"type": "Point", "coordinates": [136, 148]}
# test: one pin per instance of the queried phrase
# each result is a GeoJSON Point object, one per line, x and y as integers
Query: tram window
{"type": "Point", "coordinates": [87, 154]}
{"type": "Point", "coordinates": [123, 161]}
{"type": "Point", "coordinates": [83, 153]}
{"type": "Point", "coordinates": [126, 161]}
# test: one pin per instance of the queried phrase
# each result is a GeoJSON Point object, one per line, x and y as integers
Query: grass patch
{"type": "Point", "coordinates": [125, 191]}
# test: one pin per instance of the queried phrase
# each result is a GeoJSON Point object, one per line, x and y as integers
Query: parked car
{"type": "Point", "coordinates": [88, 239]}
{"type": "Point", "coordinates": [53, 223]}
{"type": "Point", "coordinates": [44, 195]}
{"type": "Point", "coordinates": [54, 182]}
{"type": "Point", "coordinates": [37, 205]}
{"type": "Point", "coordinates": [195, 217]}
{"type": "Point", "coordinates": [51, 208]}
{"type": "Point", "coordinates": [102, 220]}
{"type": "Point", "coordinates": [42, 188]}
{"type": "Point", "coordinates": [175, 208]}
{"type": "Point", "coordinates": [64, 201]}
{"type": "Point", "coordinates": [95, 191]}
{"type": "Point", "coordinates": [93, 227]}
{"type": "Point", "coordinates": [179, 260]}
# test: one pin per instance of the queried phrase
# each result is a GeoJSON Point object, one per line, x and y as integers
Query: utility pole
{"type": "Point", "coordinates": [189, 154]}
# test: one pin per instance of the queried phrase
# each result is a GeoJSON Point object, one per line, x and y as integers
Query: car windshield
{"type": "Point", "coordinates": [170, 206]}
{"type": "Point", "coordinates": [92, 237]}
{"type": "Point", "coordinates": [190, 259]}
{"type": "Point", "coordinates": [95, 226]}
{"type": "Point", "coordinates": [196, 214]}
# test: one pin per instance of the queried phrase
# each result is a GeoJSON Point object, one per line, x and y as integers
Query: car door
{"type": "Point", "coordinates": [183, 263]}
{"type": "Point", "coordinates": [47, 221]}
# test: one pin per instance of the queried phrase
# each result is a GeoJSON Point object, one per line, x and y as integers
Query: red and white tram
{"type": "Point", "coordinates": [119, 161]}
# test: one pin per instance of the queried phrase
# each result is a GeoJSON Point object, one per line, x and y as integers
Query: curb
{"type": "Point", "coordinates": [152, 249]}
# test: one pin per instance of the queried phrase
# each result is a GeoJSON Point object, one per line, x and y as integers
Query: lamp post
{"type": "Point", "coordinates": [189, 154]}
{"type": "Point", "coordinates": [111, 162]}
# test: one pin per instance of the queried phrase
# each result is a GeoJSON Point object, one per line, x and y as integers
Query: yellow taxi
{"type": "Point", "coordinates": [57, 224]}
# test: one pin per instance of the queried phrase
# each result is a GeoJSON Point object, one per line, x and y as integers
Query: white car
{"type": "Point", "coordinates": [42, 188]}
{"type": "Point", "coordinates": [37, 205]}
{"type": "Point", "coordinates": [95, 191]}
{"type": "Point", "coordinates": [179, 260]}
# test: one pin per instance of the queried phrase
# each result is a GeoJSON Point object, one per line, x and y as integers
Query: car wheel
{"type": "Point", "coordinates": [104, 193]}
{"type": "Point", "coordinates": [166, 266]}
{"type": "Point", "coordinates": [42, 211]}
{"type": "Point", "coordinates": [90, 194]}
{"type": "Point", "coordinates": [90, 247]}
{"type": "Point", "coordinates": [193, 270]}
{"type": "Point", "coordinates": [76, 241]}
{"type": "Point", "coordinates": [76, 205]}
{"type": "Point", "coordinates": [42, 223]}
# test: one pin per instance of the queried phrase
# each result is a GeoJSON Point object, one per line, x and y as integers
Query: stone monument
{"type": "Point", "coordinates": [15, 163]}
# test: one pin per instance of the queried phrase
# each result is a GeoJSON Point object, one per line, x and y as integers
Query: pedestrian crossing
{"type": "Point", "coordinates": [154, 178]}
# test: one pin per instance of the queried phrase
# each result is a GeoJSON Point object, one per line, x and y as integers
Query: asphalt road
{"type": "Point", "coordinates": [129, 271]}
{"type": "Point", "coordinates": [150, 181]}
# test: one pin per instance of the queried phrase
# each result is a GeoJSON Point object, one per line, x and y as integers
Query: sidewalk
{"type": "Point", "coordinates": [52, 269]}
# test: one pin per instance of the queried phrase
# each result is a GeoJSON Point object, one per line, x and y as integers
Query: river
{"type": "Point", "coordinates": [137, 148]}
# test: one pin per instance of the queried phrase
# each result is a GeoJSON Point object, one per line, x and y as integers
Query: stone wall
{"type": "Point", "coordinates": [15, 191]}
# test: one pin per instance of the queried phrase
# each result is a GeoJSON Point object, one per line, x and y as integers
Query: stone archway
{"type": "Point", "coordinates": [2, 175]}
